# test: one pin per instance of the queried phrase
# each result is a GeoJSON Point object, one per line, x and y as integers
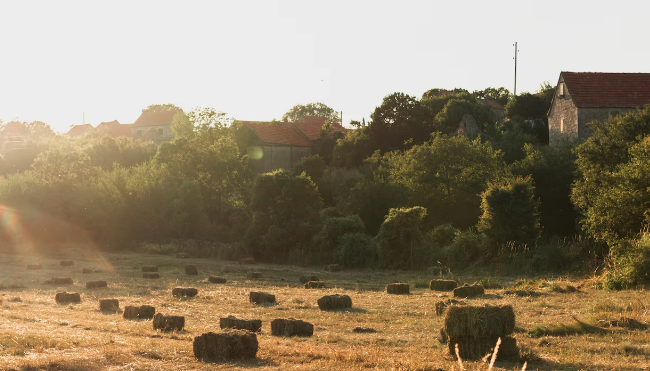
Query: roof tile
{"type": "Point", "coordinates": [608, 89]}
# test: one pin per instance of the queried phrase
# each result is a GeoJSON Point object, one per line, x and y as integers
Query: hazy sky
{"type": "Point", "coordinates": [257, 59]}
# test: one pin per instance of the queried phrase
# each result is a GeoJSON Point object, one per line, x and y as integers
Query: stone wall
{"type": "Point", "coordinates": [588, 114]}
{"type": "Point", "coordinates": [562, 108]}
{"type": "Point", "coordinates": [276, 157]}
{"type": "Point", "coordinates": [468, 126]}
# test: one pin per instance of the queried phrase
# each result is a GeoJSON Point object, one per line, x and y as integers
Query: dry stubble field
{"type": "Point", "coordinates": [36, 333]}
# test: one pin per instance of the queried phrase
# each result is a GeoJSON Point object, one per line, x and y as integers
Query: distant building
{"type": "Point", "coordinates": [156, 126]}
{"type": "Point", "coordinates": [582, 97]}
{"type": "Point", "coordinates": [497, 109]}
{"type": "Point", "coordinates": [115, 129]}
{"type": "Point", "coordinates": [79, 130]}
{"type": "Point", "coordinates": [281, 145]}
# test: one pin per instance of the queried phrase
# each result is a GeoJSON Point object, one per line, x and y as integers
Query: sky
{"type": "Point", "coordinates": [63, 62]}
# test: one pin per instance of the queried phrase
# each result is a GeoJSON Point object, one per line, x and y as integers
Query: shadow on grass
{"type": "Point", "coordinates": [346, 310]}
{"type": "Point", "coordinates": [245, 363]}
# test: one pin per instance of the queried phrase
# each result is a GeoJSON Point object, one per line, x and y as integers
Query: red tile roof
{"type": "Point", "coordinates": [590, 89]}
{"type": "Point", "coordinates": [492, 103]}
{"type": "Point", "coordinates": [122, 130]}
{"type": "Point", "coordinates": [79, 129]}
{"type": "Point", "coordinates": [155, 118]}
{"type": "Point", "coordinates": [312, 129]}
{"type": "Point", "coordinates": [283, 133]}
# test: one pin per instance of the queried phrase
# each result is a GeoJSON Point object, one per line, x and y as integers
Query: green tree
{"type": "Point", "coordinates": [448, 119]}
{"type": "Point", "coordinates": [399, 237]}
{"type": "Point", "coordinates": [162, 108]}
{"type": "Point", "coordinates": [398, 123]}
{"type": "Point", "coordinates": [299, 111]}
{"type": "Point", "coordinates": [501, 95]}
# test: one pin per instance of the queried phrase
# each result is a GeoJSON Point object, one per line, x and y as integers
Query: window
{"type": "Point", "coordinates": [160, 131]}
{"type": "Point", "coordinates": [562, 125]}
{"type": "Point", "coordinates": [561, 89]}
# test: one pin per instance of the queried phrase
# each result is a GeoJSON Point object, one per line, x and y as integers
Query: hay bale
{"type": "Point", "coordinates": [291, 327]}
{"type": "Point", "coordinates": [149, 268]}
{"type": "Point", "coordinates": [315, 285]}
{"type": "Point", "coordinates": [252, 325]}
{"type": "Point", "coordinates": [364, 330]}
{"type": "Point", "coordinates": [66, 263]}
{"type": "Point", "coordinates": [86, 270]}
{"type": "Point", "coordinates": [64, 297]}
{"type": "Point", "coordinates": [188, 292]}
{"type": "Point", "coordinates": [305, 279]}
{"type": "Point", "coordinates": [168, 323]}
{"type": "Point", "coordinates": [332, 268]}
{"type": "Point", "coordinates": [35, 267]}
{"type": "Point", "coordinates": [96, 284]}
{"type": "Point", "coordinates": [141, 312]}
{"type": "Point", "coordinates": [398, 288]}
{"type": "Point", "coordinates": [330, 302]}
{"type": "Point", "coordinates": [61, 281]}
{"type": "Point", "coordinates": [191, 270]}
{"type": "Point", "coordinates": [261, 298]}
{"type": "Point", "coordinates": [479, 322]}
{"type": "Point", "coordinates": [150, 275]}
{"type": "Point", "coordinates": [471, 349]}
{"type": "Point", "coordinates": [442, 285]}
{"type": "Point", "coordinates": [442, 305]}
{"type": "Point", "coordinates": [253, 275]}
{"type": "Point", "coordinates": [246, 261]}
{"type": "Point", "coordinates": [131, 312]}
{"type": "Point", "coordinates": [467, 291]}
{"type": "Point", "coordinates": [109, 305]}
{"type": "Point", "coordinates": [182, 255]}
{"type": "Point", "coordinates": [230, 344]}
{"type": "Point", "coordinates": [214, 279]}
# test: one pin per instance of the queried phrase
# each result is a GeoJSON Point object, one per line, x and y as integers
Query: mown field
{"type": "Point", "coordinates": [36, 333]}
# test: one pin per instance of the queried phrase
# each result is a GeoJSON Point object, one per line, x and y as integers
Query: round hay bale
{"type": "Point", "coordinates": [64, 297]}
{"type": "Point", "coordinates": [246, 261]}
{"type": "Point", "coordinates": [182, 255]}
{"type": "Point", "coordinates": [35, 267]}
{"type": "Point", "coordinates": [475, 349]}
{"type": "Point", "coordinates": [254, 275]}
{"type": "Point", "coordinates": [467, 291]}
{"type": "Point", "coordinates": [442, 305]}
{"type": "Point", "coordinates": [168, 323]}
{"type": "Point", "coordinates": [188, 292]}
{"type": "Point", "coordinates": [150, 275]}
{"type": "Point", "coordinates": [479, 322]}
{"type": "Point", "coordinates": [305, 279]}
{"type": "Point", "coordinates": [66, 263]}
{"type": "Point", "coordinates": [261, 298]}
{"type": "Point", "coordinates": [252, 325]}
{"type": "Point", "coordinates": [149, 268]}
{"type": "Point", "coordinates": [442, 285]}
{"type": "Point", "coordinates": [61, 281]}
{"type": "Point", "coordinates": [109, 305]}
{"type": "Point", "coordinates": [191, 270]}
{"type": "Point", "coordinates": [331, 302]}
{"type": "Point", "coordinates": [214, 279]}
{"type": "Point", "coordinates": [131, 312]}
{"type": "Point", "coordinates": [332, 268]}
{"type": "Point", "coordinates": [229, 344]}
{"type": "Point", "coordinates": [291, 327]}
{"type": "Point", "coordinates": [86, 270]}
{"type": "Point", "coordinates": [398, 288]}
{"type": "Point", "coordinates": [146, 312]}
{"type": "Point", "coordinates": [96, 284]}
{"type": "Point", "coordinates": [315, 285]}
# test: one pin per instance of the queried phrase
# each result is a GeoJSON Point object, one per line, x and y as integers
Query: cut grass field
{"type": "Point", "coordinates": [38, 334]}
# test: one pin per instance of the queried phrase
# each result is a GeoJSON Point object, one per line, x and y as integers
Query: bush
{"type": "Point", "coordinates": [356, 250]}
{"type": "Point", "coordinates": [442, 235]}
{"type": "Point", "coordinates": [326, 241]}
{"type": "Point", "coordinates": [629, 264]}
{"type": "Point", "coordinates": [466, 248]}
{"type": "Point", "coordinates": [314, 166]}
{"type": "Point", "coordinates": [399, 238]}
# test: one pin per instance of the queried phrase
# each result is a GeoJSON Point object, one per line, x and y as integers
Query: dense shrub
{"type": "Point", "coordinates": [442, 235]}
{"type": "Point", "coordinates": [399, 238]}
{"type": "Point", "coordinates": [466, 249]}
{"type": "Point", "coordinates": [313, 166]}
{"type": "Point", "coordinates": [324, 246]}
{"type": "Point", "coordinates": [356, 250]}
{"type": "Point", "coordinates": [629, 264]}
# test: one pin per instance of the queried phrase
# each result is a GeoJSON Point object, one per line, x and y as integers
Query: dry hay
{"type": "Point", "coordinates": [397, 288]}
{"type": "Point", "coordinates": [314, 285]}
{"type": "Point", "coordinates": [168, 323]}
{"type": "Point", "coordinates": [229, 344]}
{"type": "Point", "coordinates": [215, 279]}
{"type": "Point", "coordinates": [467, 291]}
{"type": "Point", "coordinates": [149, 268]}
{"type": "Point", "coordinates": [442, 285]}
{"type": "Point", "coordinates": [291, 327]}
{"type": "Point", "coordinates": [150, 275]}
{"type": "Point", "coordinates": [60, 281]}
{"type": "Point", "coordinates": [96, 284]}
{"type": "Point", "coordinates": [332, 268]}
{"type": "Point", "coordinates": [252, 325]}
{"type": "Point", "coordinates": [253, 275]}
{"type": "Point", "coordinates": [35, 267]}
{"type": "Point", "coordinates": [628, 323]}
{"type": "Point", "coordinates": [477, 329]}
{"type": "Point", "coordinates": [86, 270]}
{"type": "Point", "coordinates": [64, 297]}
{"type": "Point", "coordinates": [111, 305]}
{"type": "Point", "coordinates": [261, 298]}
{"type": "Point", "coordinates": [191, 270]}
{"type": "Point", "coordinates": [336, 301]}
{"type": "Point", "coordinates": [364, 330]}
{"type": "Point", "coordinates": [246, 261]}
{"type": "Point", "coordinates": [305, 279]}
{"type": "Point", "coordinates": [182, 255]}
{"type": "Point", "coordinates": [189, 292]}
{"type": "Point", "coordinates": [141, 312]}
{"type": "Point", "coordinates": [442, 305]}
{"type": "Point", "coordinates": [437, 271]}
{"type": "Point", "coordinates": [66, 263]}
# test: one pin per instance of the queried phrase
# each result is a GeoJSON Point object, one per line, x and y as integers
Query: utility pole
{"type": "Point", "coordinates": [84, 119]}
{"type": "Point", "coordinates": [341, 118]}
{"type": "Point", "coordinates": [515, 45]}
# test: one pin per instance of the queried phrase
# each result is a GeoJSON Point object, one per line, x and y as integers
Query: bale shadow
{"type": "Point", "coordinates": [347, 310]}
{"type": "Point", "coordinates": [244, 363]}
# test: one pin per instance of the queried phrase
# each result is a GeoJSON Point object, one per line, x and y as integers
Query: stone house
{"type": "Point", "coordinates": [156, 126]}
{"type": "Point", "coordinates": [79, 130]}
{"type": "Point", "coordinates": [582, 97]}
{"type": "Point", "coordinates": [115, 129]}
{"type": "Point", "coordinates": [280, 145]}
